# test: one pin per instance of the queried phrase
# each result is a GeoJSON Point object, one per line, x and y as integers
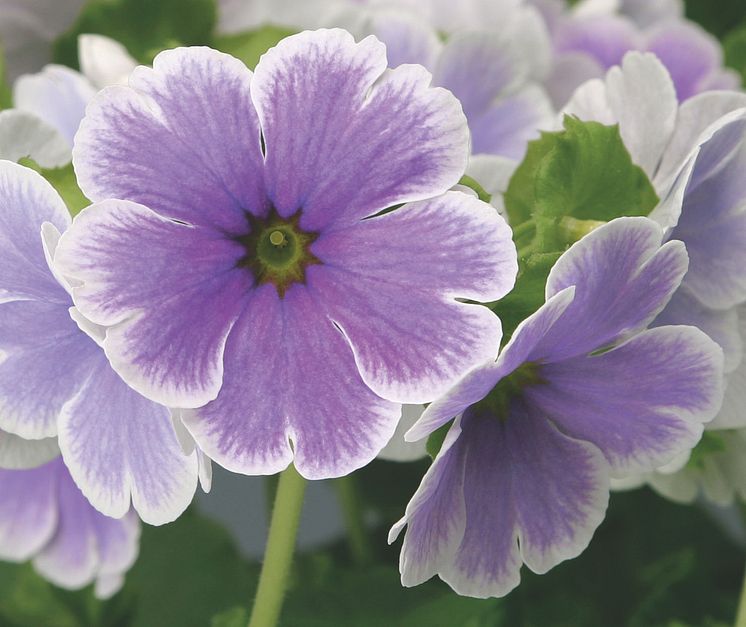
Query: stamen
{"type": "Point", "coordinates": [277, 238]}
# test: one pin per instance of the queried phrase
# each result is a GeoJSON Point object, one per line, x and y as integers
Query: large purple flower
{"type": "Point", "coordinates": [248, 267]}
{"type": "Point", "coordinates": [44, 517]}
{"type": "Point", "coordinates": [56, 381]}
{"type": "Point", "coordinates": [581, 393]}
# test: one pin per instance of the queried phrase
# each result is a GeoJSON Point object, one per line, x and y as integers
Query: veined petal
{"type": "Point", "coordinates": [168, 291]}
{"type": "Point", "coordinates": [623, 278]}
{"type": "Point", "coordinates": [642, 403]}
{"type": "Point", "coordinates": [344, 139]}
{"type": "Point", "coordinates": [121, 450]}
{"type": "Point", "coordinates": [182, 139]}
{"type": "Point", "coordinates": [23, 134]}
{"type": "Point", "coordinates": [307, 393]}
{"type": "Point", "coordinates": [392, 291]}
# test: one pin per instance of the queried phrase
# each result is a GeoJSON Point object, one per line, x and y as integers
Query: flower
{"type": "Point", "coordinates": [580, 393]}
{"type": "Point", "coordinates": [246, 271]}
{"type": "Point", "coordinates": [44, 517]}
{"type": "Point", "coordinates": [56, 381]}
{"type": "Point", "coordinates": [17, 453]}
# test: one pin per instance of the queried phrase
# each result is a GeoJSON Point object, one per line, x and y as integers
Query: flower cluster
{"type": "Point", "coordinates": [395, 211]}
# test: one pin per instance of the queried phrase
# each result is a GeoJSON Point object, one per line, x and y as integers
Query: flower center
{"type": "Point", "coordinates": [497, 402]}
{"type": "Point", "coordinates": [278, 251]}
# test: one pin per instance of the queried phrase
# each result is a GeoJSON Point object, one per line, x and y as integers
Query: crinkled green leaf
{"type": "Point", "coordinates": [145, 27]}
{"type": "Point", "coordinates": [251, 45]}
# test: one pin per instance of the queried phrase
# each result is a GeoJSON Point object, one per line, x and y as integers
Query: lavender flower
{"type": "Point", "coordinates": [581, 393]}
{"type": "Point", "coordinates": [44, 517]}
{"type": "Point", "coordinates": [246, 269]}
{"type": "Point", "coordinates": [56, 381]}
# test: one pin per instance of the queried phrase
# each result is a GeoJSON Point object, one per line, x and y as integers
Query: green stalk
{"type": "Point", "coordinates": [278, 557]}
{"type": "Point", "coordinates": [741, 615]}
{"type": "Point", "coordinates": [357, 536]}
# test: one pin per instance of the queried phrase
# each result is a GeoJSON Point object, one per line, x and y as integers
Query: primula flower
{"type": "Point", "coordinates": [247, 267]}
{"type": "Point", "coordinates": [56, 381]}
{"type": "Point", "coordinates": [580, 393]}
{"type": "Point", "coordinates": [44, 517]}
{"type": "Point", "coordinates": [16, 453]}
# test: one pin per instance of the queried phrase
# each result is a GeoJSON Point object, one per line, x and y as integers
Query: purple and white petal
{"type": "Point", "coordinates": [22, 134]}
{"type": "Point", "coordinates": [191, 148]}
{"type": "Point", "coordinates": [483, 489]}
{"type": "Point", "coordinates": [570, 71]}
{"type": "Point", "coordinates": [607, 38]}
{"type": "Point", "coordinates": [121, 450]}
{"type": "Point", "coordinates": [689, 53]}
{"type": "Point", "coordinates": [44, 361]}
{"type": "Point", "coordinates": [118, 546]}
{"type": "Point", "coordinates": [408, 39]}
{"type": "Point", "coordinates": [26, 201]}
{"type": "Point", "coordinates": [623, 277]}
{"type": "Point", "coordinates": [732, 414]}
{"type": "Point", "coordinates": [169, 293]}
{"type": "Point", "coordinates": [508, 125]}
{"type": "Point", "coordinates": [722, 325]}
{"type": "Point", "coordinates": [344, 139]}
{"type": "Point", "coordinates": [19, 454]}
{"type": "Point", "coordinates": [713, 217]}
{"type": "Point", "coordinates": [642, 403]}
{"type": "Point", "coordinates": [403, 353]}
{"type": "Point", "coordinates": [28, 510]}
{"type": "Point", "coordinates": [475, 385]}
{"type": "Point", "coordinates": [306, 403]}
{"type": "Point", "coordinates": [57, 95]}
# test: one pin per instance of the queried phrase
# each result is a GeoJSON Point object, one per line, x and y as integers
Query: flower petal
{"type": "Point", "coordinates": [169, 293]}
{"type": "Point", "coordinates": [121, 449]}
{"type": "Point", "coordinates": [307, 392]}
{"type": "Point", "coordinates": [343, 139]}
{"type": "Point", "coordinates": [510, 491]}
{"type": "Point", "coordinates": [408, 39]}
{"type": "Point", "coordinates": [23, 134]}
{"type": "Point", "coordinates": [391, 282]}
{"type": "Point", "coordinates": [641, 403]}
{"type": "Point", "coordinates": [182, 139]}
{"type": "Point", "coordinates": [26, 201]}
{"type": "Point", "coordinates": [104, 61]}
{"type": "Point", "coordinates": [19, 454]}
{"type": "Point", "coordinates": [623, 279]}
{"type": "Point", "coordinates": [57, 95]}
{"type": "Point", "coordinates": [28, 510]}
{"type": "Point", "coordinates": [44, 360]}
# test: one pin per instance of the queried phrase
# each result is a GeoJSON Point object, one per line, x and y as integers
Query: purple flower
{"type": "Point", "coordinates": [44, 517]}
{"type": "Point", "coordinates": [248, 268]}
{"type": "Point", "coordinates": [56, 381]}
{"type": "Point", "coordinates": [581, 393]}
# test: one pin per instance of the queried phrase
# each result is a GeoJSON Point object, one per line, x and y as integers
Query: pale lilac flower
{"type": "Point", "coordinates": [582, 392]}
{"type": "Point", "coordinates": [245, 270]}
{"type": "Point", "coordinates": [17, 453]}
{"type": "Point", "coordinates": [56, 381]}
{"type": "Point", "coordinates": [45, 518]}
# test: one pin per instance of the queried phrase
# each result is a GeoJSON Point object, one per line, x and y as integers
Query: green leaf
{"type": "Point", "coordinates": [436, 439]}
{"type": "Point", "coordinates": [734, 46]}
{"type": "Point", "coordinates": [235, 617]}
{"type": "Point", "coordinates": [251, 45]}
{"type": "Point", "coordinates": [145, 27]}
{"type": "Point", "coordinates": [528, 294]}
{"type": "Point", "coordinates": [64, 181]}
{"type": "Point", "coordinates": [474, 185]}
{"type": "Point", "coordinates": [584, 172]}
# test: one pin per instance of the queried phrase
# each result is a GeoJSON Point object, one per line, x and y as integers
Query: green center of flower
{"type": "Point", "coordinates": [278, 251]}
{"type": "Point", "coordinates": [497, 402]}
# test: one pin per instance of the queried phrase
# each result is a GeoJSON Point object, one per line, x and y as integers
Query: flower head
{"type": "Point", "coordinates": [248, 269]}
{"type": "Point", "coordinates": [44, 517]}
{"type": "Point", "coordinates": [55, 379]}
{"type": "Point", "coordinates": [581, 393]}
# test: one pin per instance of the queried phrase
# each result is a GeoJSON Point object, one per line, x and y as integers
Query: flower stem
{"type": "Point", "coordinates": [278, 557]}
{"type": "Point", "coordinates": [357, 537]}
{"type": "Point", "coordinates": [741, 615]}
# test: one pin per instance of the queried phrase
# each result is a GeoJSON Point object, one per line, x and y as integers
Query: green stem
{"type": "Point", "coordinates": [357, 536]}
{"type": "Point", "coordinates": [741, 615]}
{"type": "Point", "coordinates": [278, 557]}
